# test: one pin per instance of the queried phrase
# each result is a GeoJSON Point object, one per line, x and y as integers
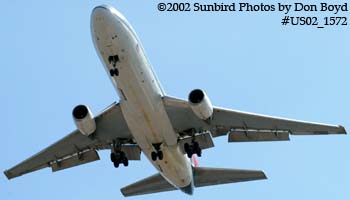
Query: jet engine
{"type": "Point", "coordinates": [84, 120]}
{"type": "Point", "coordinates": [200, 104]}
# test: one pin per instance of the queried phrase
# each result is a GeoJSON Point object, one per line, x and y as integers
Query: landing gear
{"type": "Point", "coordinates": [158, 153]}
{"type": "Point", "coordinates": [113, 60]}
{"type": "Point", "coordinates": [114, 71]}
{"type": "Point", "coordinates": [192, 148]}
{"type": "Point", "coordinates": [118, 158]}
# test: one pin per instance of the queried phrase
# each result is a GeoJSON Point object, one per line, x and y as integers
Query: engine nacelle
{"type": "Point", "coordinates": [200, 104]}
{"type": "Point", "coordinates": [84, 120]}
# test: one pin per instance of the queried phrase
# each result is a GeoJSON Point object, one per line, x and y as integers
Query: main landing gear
{"type": "Point", "coordinates": [118, 156]}
{"type": "Point", "coordinates": [158, 153]}
{"type": "Point", "coordinates": [192, 148]}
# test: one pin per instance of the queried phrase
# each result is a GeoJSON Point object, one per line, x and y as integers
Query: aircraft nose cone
{"type": "Point", "coordinates": [106, 12]}
{"type": "Point", "coordinates": [100, 14]}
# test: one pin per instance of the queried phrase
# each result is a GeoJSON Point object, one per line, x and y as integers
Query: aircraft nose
{"type": "Point", "coordinates": [100, 14]}
{"type": "Point", "coordinates": [106, 13]}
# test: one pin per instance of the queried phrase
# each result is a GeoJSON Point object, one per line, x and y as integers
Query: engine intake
{"type": "Point", "coordinates": [200, 104]}
{"type": "Point", "coordinates": [84, 120]}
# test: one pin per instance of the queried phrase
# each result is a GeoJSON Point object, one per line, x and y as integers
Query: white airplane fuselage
{"type": "Point", "coordinates": [140, 94]}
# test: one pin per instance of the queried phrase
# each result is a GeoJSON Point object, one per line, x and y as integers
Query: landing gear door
{"type": "Point", "coordinates": [132, 152]}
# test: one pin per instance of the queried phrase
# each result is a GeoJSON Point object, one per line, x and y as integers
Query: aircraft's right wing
{"type": "Point", "coordinates": [242, 126]}
{"type": "Point", "coordinates": [76, 148]}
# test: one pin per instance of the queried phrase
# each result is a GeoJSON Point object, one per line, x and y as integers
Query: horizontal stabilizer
{"type": "Point", "coordinates": [204, 176]}
{"type": "Point", "coordinates": [152, 184]}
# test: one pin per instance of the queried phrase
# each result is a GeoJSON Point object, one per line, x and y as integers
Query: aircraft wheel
{"type": "Point", "coordinates": [189, 154]}
{"type": "Point", "coordinates": [196, 149]}
{"type": "Point", "coordinates": [154, 156]}
{"type": "Point", "coordinates": [116, 164]}
{"type": "Point", "coordinates": [116, 71]}
{"type": "Point", "coordinates": [160, 155]}
{"type": "Point", "coordinates": [199, 152]}
{"type": "Point", "coordinates": [112, 157]}
{"type": "Point", "coordinates": [111, 72]}
{"type": "Point", "coordinates": [187, 147]}
{"type": "Point", "coordinates": [125, 162]}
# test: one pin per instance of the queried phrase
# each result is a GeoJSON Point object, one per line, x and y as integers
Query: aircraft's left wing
{"type": "Point", "coordinates": [76, 148]}
{"type": "Point", "coordinates": [242, 126]}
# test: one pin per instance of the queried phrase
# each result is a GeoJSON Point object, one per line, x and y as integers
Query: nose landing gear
{"type": "Point", "coordinates": [158, 153]}
{"type": "Point", "coordinates": [114, 71]}
{"type": "Point", "coordinates": [113, 60]}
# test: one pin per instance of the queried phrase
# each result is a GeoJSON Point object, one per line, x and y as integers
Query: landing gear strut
{"type": "Point", "coordinates": [158, 153]}
{"type": "Point", "coordinates": [192, 148]}
{"type": "Point", "coordinates": [113, 60]}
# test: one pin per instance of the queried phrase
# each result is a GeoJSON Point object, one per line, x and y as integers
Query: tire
{"type": "Point", "coordinates": [189, 155]}
{"type": "Point", "coordinates": [125, 162]}
{"type": "Point", "coordinates": [199, 152]}
{"type": "Point", "coordinates": [154, 156]}
{"type": "Point", "coordinates": [111, 72]}
{"type": "Point", "coordinates": [116, 164]}
{"type": "Point", "coordinates": [187, 148]}
{"type": "Point", "coordinates": [113, 157]}
{"type": "Point", "coordinates": [160, 155]}
{"type": "Point", "coordinates": [116, 71]}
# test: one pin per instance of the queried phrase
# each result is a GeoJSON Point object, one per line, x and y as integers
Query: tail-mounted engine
{"type": "Point", "coordinates": [84, 120]}
{"type": "Point", "coordinates": [200, 104]}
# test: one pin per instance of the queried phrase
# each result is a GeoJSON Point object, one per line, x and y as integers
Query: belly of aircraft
{"type": "Point", "coordinates": [140, 96]}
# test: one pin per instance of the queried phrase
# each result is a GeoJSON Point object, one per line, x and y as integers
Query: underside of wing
{"type": "Point", "coordinates": [76, 148]}
{"type": "Point", "coordinates": [242, 126]}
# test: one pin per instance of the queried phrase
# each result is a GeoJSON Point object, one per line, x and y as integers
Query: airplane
{"type": "Point", "coordinates": [170, 131]}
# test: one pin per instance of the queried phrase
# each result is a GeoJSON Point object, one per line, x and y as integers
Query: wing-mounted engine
{"type": "Point", "coordinates": [84, 120]}
{"type": "Point", "coordinates": [200, 104]}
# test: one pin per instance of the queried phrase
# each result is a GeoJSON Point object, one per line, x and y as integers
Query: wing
{"type": "Point", "coordinates": [242, 126]}
{"type": "Point", "coordinates": [76, 149]}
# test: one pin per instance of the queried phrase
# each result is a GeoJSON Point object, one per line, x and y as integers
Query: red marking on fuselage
{"type": "Point", "coordinates": [195, 161]}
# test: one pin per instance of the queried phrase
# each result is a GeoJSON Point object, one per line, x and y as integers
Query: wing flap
{"type": "Point", "coordinates": [205, 176]}
{"type": "Point", "coordinates": [152, 184]}
{"type": "Point", "coordinates": [257, 136]}
{"type": "Point", "coordinates": [75, 160]}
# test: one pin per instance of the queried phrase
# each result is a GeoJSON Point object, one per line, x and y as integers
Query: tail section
{"type": "Point", "coordinates": [203, 176]}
